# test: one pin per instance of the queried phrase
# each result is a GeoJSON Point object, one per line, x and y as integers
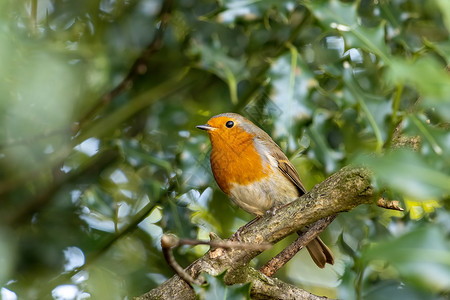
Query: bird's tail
{"type": "Point", "coordinates": [320, 253]}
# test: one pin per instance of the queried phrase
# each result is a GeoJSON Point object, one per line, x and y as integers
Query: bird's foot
{"type": "Point", "coordinates": [236, 237]}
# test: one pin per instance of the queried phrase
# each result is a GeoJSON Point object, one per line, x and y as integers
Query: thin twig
{"type": "Point", "coordinates": [226, 244]}
{"type": "Point", "coordinates": [276, 263]}
{"type": "Point", "coordinates": [171, 241]}
{"type": "Point", "coordinates": [388, 204]}
{"type": "Point", "coordinates": [167, 243]}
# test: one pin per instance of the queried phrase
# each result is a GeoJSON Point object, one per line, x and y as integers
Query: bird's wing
{"type": "Point", "coordinates": [288, 170]}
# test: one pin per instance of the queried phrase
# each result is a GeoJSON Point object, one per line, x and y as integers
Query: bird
{"type": "Point", "coordinates": [253, 171]}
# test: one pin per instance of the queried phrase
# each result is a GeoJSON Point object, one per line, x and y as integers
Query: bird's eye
{"type": "Point", "coordinates": [229, 124]}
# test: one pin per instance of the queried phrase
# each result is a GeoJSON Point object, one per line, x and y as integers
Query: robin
{"type": "Point", "coordinates": [252, 170]}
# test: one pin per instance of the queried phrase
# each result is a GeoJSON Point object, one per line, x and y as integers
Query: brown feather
{"type": "Point", "coordinates": [288, 170]}
{"type": "Point", "coordinates": [317, 249]}
{"type": "Point", "coordinates": [320, 253]}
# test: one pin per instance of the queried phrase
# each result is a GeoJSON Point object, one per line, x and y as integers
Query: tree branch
{"type": "Point", "coordinates": [276, 263]}
{"type": "Point", "coordinates": [394, 204]}
{"type": "Point", "coordinates": [341, 192]}
{"type": "Point", "coordinates": [264, 287]}
{"type": "Point", "coordinates": [169, 241]}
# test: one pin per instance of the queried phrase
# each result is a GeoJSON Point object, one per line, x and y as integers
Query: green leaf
{"type": "Point", "coordinates": [425, 74]}
{"type": "Point", "coordinates": [428, 77]}
{"type": "Point", "coordinates": [393, 289]}
{"type": "Point", "coordinates": [8, 253]}
{"type": "Point", "coordinates": [445, 9]}
{"type": "Point", "coordinates": [320, 148]}
{"type": "Point", "coordinates": [428, 133]}
{"type": "Point", "coordinates": [442, 48]}
{"type": "Point", "coordinates": [292, 81]}
{"type": "Point", "coordinates": [216, 60]}
{"type": "Point", "coordinates": [345, 248]}
{"type": "Point", "coordinates": [421, 256]}
{"type": "Point", "coordinates": [407, 172]}
{"type": "Point", "coordinates": [347, 286]}
{"type": "Point", "coordinates": [376, 109]}
{"type": "Point", "coordinates": [344, 18]}
{"type": "Point", "coordinates": [217, 289]}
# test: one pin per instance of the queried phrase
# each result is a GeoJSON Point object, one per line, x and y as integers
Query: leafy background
{"type": "Point", "coordinates": [89, 183]}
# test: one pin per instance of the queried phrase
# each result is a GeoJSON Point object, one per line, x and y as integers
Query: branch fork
{"type": "Point", "coordinates": [341, 192]}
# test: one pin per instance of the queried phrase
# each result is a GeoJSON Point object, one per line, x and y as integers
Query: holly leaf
{"type": "Point", "coordinates": [344, 18]}
{"type": "Point", "coordinates": [376, 109]}
{"type": "Point", "coordinates": [216, 60]}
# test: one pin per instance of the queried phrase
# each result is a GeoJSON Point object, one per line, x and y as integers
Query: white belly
{"type": "Point", "coordinates": [258, 197]}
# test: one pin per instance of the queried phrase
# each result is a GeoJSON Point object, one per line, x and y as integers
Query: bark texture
{"type": "Point", "coordinates": [343, 191]}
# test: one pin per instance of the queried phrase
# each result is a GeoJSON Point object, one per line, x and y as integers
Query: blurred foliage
{"type": "Point", "coordinates": [217, 289]}
{"type": "Point", "coordinates": [89, 183]}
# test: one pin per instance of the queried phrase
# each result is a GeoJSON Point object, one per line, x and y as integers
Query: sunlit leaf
{"type": "Point", "coordinates": [418, 209]}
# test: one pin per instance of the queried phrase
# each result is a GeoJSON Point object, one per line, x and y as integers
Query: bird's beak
{"type": "Point", "coordinates": [205, 127]}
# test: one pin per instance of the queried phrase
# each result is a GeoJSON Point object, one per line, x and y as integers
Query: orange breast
{"type": "Point", "coordinates": [234, 159]}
